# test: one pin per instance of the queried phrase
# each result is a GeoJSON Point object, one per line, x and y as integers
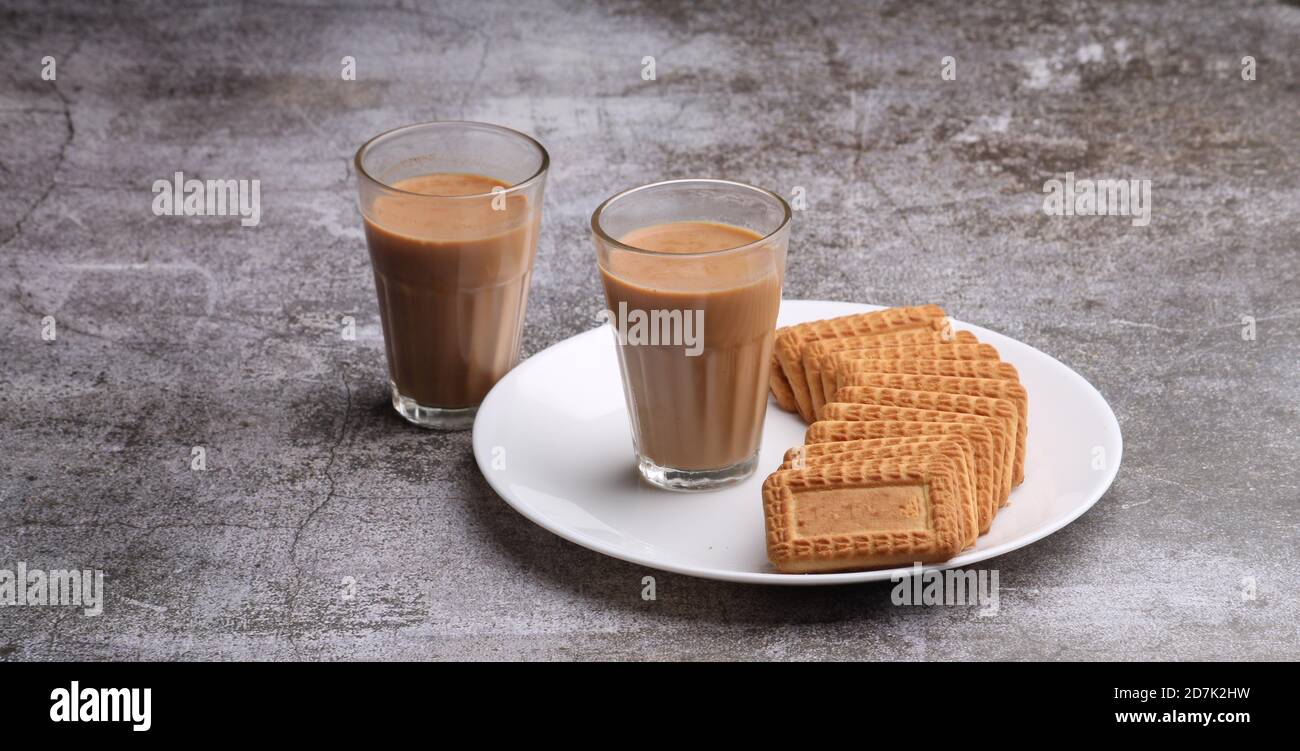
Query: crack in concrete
{"type": "Point", "coordinates": [860, 148]}
{"type": "Point", "coordinates": [29, 111]}
{"type": "Point", "coordinates": [1200, 330]}
{"type": "Point", "coordinates": [291, 600]}
{"type": "Point", "coordinates": [478, 75]}
{"type": "Point", "coordinates": [871, 180]}
{"type": "Point", "coordinates": [293, 107]}
{"type": "Point", "coordinates": [20, 294]}
{"type": "Point", "coordinates": [143, 528]}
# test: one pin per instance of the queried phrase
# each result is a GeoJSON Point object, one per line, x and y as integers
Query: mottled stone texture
{"type": "Point", "coordinates": [182, 332]}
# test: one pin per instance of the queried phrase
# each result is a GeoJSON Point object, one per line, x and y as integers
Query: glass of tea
{"type": "Point", "coordinates": [452, 212]}
{"type": "Point", "coordinates": [692, 271]}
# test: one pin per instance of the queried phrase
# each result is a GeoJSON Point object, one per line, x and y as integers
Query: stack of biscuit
{"type": "Point", "coordinates": [917, 437]}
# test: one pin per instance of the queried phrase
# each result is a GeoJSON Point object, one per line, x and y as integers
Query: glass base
{"type": "Point", "coordinates": [689, 480]}
{"type": "Point", "coordinates": [435, 418]}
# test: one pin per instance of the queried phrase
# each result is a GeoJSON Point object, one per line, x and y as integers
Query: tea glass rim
{"type": "Point", "coordinates": [398, 131]}
{"type": "Point", "coordinates": [609, 240]}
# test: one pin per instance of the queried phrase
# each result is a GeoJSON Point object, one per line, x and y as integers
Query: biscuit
{"type": "Point", "coordinates": [900, 448]}
{"type": "Point", "coordinates": [985, 387]}
{"type": "Point", "coordinates": [940, 351]}
{"type": "Point", "coordinates": [864, 514]}
{"type": "Point", "coordinates": [1003, 439]}
{"type": "Point", "coordinates": [1000, 409]}
{"type": "Point", "coordinates": [789, 341]}
{"type": "Point", "coordinates": [830, 438]}
{"type": "Point", "coordinates": [809, 454]}
{"type": "Point", "coordinates": [814, 352]}
{"type": "Point", "coordinates": [781, 387]}
{"type": "Point", "coordinates": [1004, 371]}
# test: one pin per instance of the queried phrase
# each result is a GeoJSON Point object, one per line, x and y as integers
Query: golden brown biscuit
{"type": "Point", "coordinates": [941, 351]}
{"type": "Point", "coordinates": [985, 387]}
{"type": "Point", "coordinates": [789, 341]}
{"type": "Point", "coordinates": [781, 387]}
{"type": "Point", "coordinates": [1003, 439]}
{"type": "Point", "coordinates": [832, 437]}
{"type": "Point", "coordinates": [815, 353]}
{"type": "Point", "coordinates": [1001, 409]}
{"type": "Point", "coordinates": [809, 454]}
{"type": "Point", "coordinates": [1004, 371]}
{"type": "Point", "coordinates": [864, 514]}
{"type": "Point", "coordinates": [902, 448]}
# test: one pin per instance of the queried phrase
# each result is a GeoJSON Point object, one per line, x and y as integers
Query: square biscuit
{"type": "Point", "coordinates": [983, 387]}
{"type": "Point", "coordinates": [815, 353]}
{"type": "Point", "coordinates": [781, 387]}
{"type": "Point", "coordinates": [1003, 409]}
{"type": "Point", "coordinates": [958, 447]}
{"type": "Point", "coordinates": [1003, 439]}
{"type": "Point", "coordinates": [833, 437]}
{"type": "Point", "coordinates": [808, 454]}
{"type": "Point", "coordinates": [864, 514]}
{"type": "Point", "coordinates": [835, 362]}
{"type": "Point", "coordinates": [788, 345]}
{"type": "Point", "coordinates": [1003, 371]}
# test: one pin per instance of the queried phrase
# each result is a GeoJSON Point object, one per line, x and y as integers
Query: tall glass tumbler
{"type": "Point", "coordinates": [452, 212]}
{"type": "Point", "coordinates": [692, 271]}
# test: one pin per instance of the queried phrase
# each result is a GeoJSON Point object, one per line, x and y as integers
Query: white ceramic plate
{"type": "Point", "coordinates": [552, 439]}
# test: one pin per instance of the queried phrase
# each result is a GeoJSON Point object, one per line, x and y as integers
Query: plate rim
{"type": "Point", "coordinates": [777, 578]}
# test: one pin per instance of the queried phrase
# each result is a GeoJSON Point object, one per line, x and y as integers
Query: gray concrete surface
{"type": "Point", "coordinates": [180, 332]}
